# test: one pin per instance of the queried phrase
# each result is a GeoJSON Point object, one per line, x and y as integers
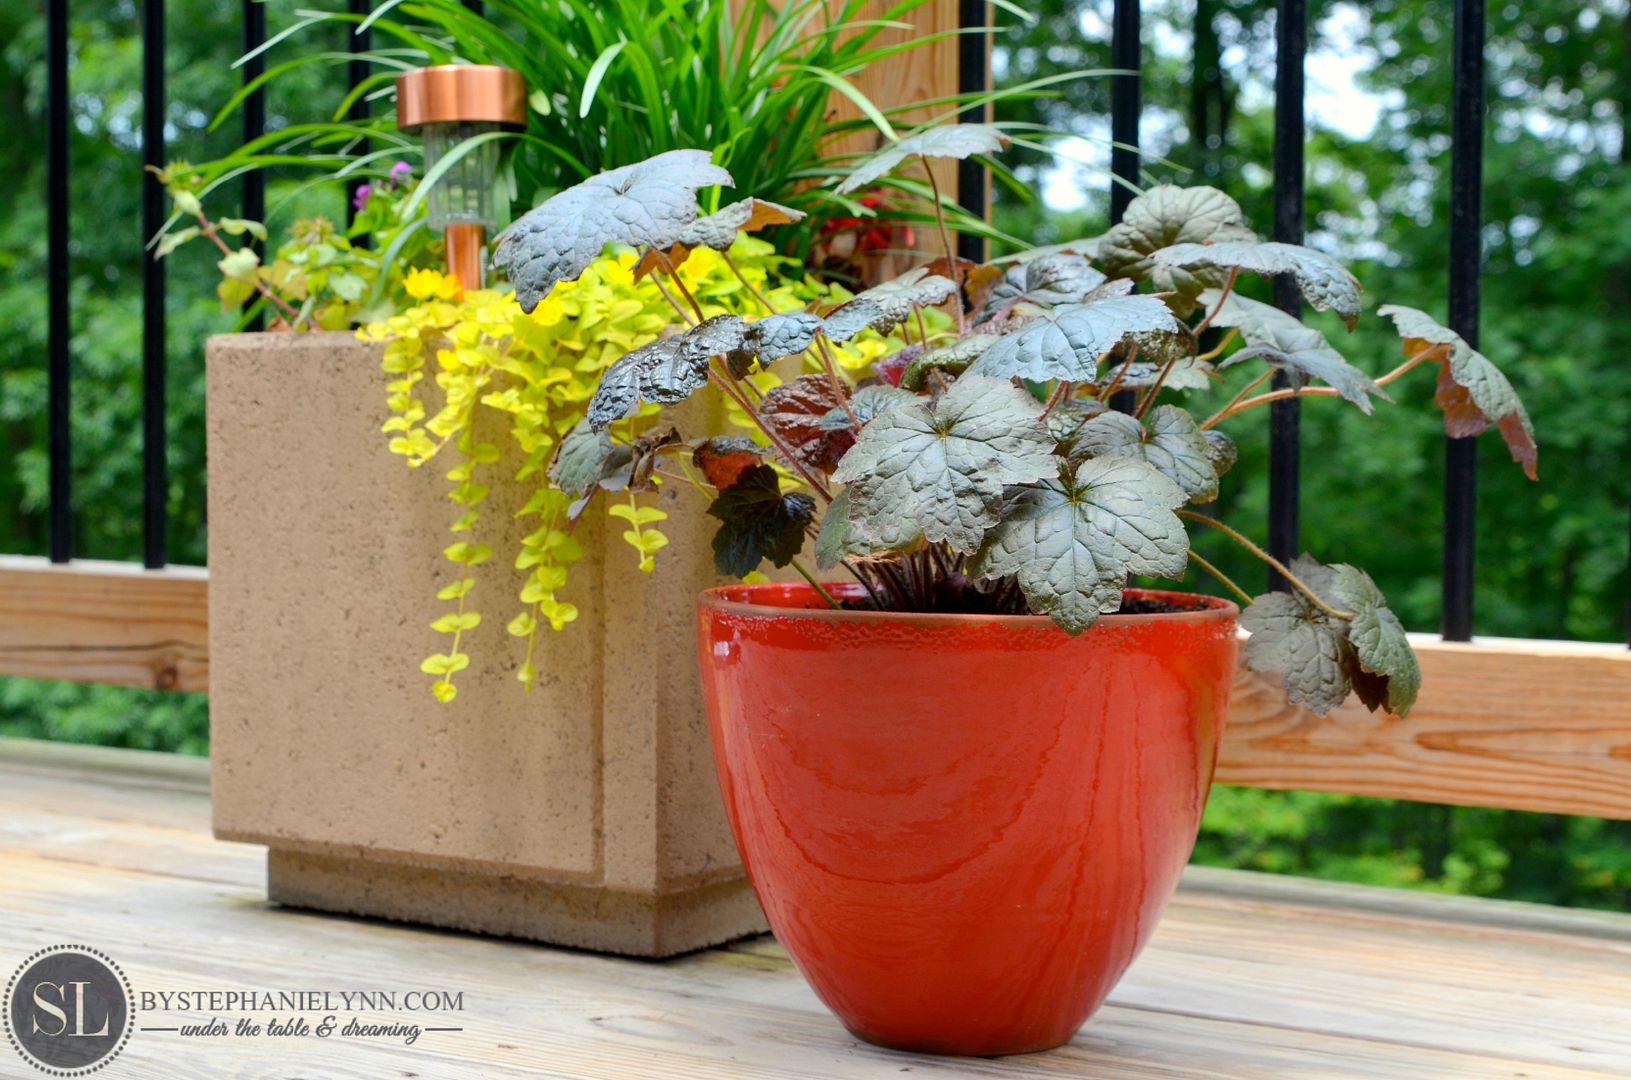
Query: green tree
{"type": "Point", "coordinates": [106, 332]}
{"type": "Point", "coordinates": [1551, 558]}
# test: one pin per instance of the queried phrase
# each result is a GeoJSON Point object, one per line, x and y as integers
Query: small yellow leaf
{"type": "Point", "coordinates": [457, 589]}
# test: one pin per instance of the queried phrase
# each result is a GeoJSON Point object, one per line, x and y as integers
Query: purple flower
{"type": "Point", "coordinates": [401, 173]}
{"type": "Point", "coordinates": [360, 198]}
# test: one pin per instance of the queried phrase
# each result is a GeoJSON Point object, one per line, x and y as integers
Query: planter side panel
{"type": "Point", "coordinates": [325, 556]}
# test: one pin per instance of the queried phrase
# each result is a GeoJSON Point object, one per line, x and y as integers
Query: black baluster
{"type": "Point", "coordinates": [1285, 417]}
{"type": "Point", "coordinates": [155, 466]}
{"type": "Point", "coordinates": [1466, 220]}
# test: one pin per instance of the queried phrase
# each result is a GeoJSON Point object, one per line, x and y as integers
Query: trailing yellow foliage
{"type": "Point", "coordinates": [541, 369]}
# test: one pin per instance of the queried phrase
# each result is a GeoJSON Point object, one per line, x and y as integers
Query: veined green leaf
{"type": "Point", "coordinates": [1071, 540]}
{"type": "Point", "coordinates": [939, 467]}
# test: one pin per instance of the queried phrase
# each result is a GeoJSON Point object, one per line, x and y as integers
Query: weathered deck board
{"type": "Point", "coordinates": [1248, 977]}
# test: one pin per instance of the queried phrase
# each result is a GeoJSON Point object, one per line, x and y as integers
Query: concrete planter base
{"type": "Point", "coordinates": [583, 916]}
{"type": "Point", "coordinates": [585, 813]}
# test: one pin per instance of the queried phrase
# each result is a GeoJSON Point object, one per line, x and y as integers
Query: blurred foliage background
{"type": "Point", "coordinates": [1556, 315]}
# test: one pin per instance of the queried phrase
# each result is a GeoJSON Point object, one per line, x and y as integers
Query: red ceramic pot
{"type": "Point", "coordinates": [962, 828]}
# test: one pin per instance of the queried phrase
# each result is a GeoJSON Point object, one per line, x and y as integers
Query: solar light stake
{"type": "Point", "coordinates": [446, 105]}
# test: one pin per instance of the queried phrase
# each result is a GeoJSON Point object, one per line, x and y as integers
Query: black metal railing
{"type": "Point", "coordinates": [1466, 178]}
{"type": "Point", "coordinates": [58, 369]}
{"type": "Point", "coordinates": [1466, 221]}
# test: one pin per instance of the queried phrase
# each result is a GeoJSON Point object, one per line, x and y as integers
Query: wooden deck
{"type": "Point", "coordinates": [1249, 976]}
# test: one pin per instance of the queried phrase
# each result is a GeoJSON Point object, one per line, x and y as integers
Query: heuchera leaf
{"type": "Point", "coordinates": [1221, 451]}
{"type": "Point", "coordinates": [890, 368]}
{"type": "Point", "coordinates": [1171, 441]}
{"type": "Point", "coordinates": [953, 357]}
{"type": "Point", "coordinates": [1067, 342]}
{"type": "Point", "coordinates": [1187, 374]}
{"type": "Point", "coordinates": [1167, 215]}
{"type": "Point", "coordinates": [915, 288]}
{"type": "Point", "coordinates": [884, 307]}
{"type": "Point", "coordinates": [793, 411]}
{"type": "Point", "coordinates": [1067, 418]}
{"type": "Point", "coordinates": [1324, 282]}
{"type": "Point", "coordinates": [724, 458]}
{"type": "Point", "coordinates": [1389, 676]}
{"type": "Point", "coordinates": [1071, 541]}
{"type": "Point", "coordinates": [648, 204]}
{"type": "Point", "coordinates": [836, 539]}
{"type": "Point", "coordinates": [1319, 657]}
{"type": "Point", "coordinates": [758, 522]}
{"type": "Point", "coordinates": [712, 337]}
{"type": "Point", "coordinates": [718, 231]}
{"type": "Point", "coordinates": [939, 467]}
{"type": "Point", "coordinates": [867, 403]}
{"type": "Point", "coordinates": [772, 338]}
{"type": "Point", "coordinates": [784, 334]}
{"type": "Point", "coordinates": [1049, 281]}
{"type": "Point", "coordinates": [947, 140]}
{"type": "Point", "coordinates": [1301, 351]}
{"type": "Point", "coordinates": [581, 459]}
{"type": "Point", "coordinates": [653, 372]}
{"type": "Point", "coordinates": [850, 318]}
{"type": "Point", "coordinates": [1471, 390]}
{"type": "Point", "coordinates": [1303, 644]}
{"type": "Point", "coordinates": [665, 371]}
{"type": "Point", "coordinates": [840, 539]}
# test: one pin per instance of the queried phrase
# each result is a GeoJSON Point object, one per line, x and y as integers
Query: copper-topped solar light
{"type": "Point", "coordinates": [445, 105]}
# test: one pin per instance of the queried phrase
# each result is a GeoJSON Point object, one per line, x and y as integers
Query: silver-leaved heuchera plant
{"type": "Point", "coordinates": [984, 470]}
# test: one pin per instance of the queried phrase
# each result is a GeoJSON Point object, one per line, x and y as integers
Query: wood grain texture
{"type": "Point", "coordinates": [104, 622]}
{"type": "Point", "coordinates": [926, 73]}
{"type": "Point", "coordinates": [1248, 977]}
{"type": "Point", "coordinates": [1520, 724]}
{"type": "Point", "coordinates": [1515, 723]}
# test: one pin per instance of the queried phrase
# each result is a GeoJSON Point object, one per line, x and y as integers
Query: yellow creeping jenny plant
{"type": "Point", "coordinates": [542, 369]}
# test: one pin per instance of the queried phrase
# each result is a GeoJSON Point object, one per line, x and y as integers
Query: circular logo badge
{"type": "Point", "coordinates": [67, 1010]}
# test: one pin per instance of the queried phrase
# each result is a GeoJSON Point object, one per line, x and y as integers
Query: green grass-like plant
{"type": "Point", "coordinates": [615, 82]}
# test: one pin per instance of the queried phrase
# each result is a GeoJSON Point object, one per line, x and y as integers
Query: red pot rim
{"type": "Point", "coordinates": [796, 599]}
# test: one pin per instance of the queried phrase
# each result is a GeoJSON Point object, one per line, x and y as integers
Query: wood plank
{"type": "Point", "coordinates": [106, 764]}
{"type": "Point", "coordinates": [539, 1011]}
{"type": "Point", "coordinates": [1520, 724]}
{"type": "Point", "coordinates": [925, 73]}
{"type": "Point", "coordinates": [104, 622]}
{"type": "Point", "coordinates": [1248, 976]}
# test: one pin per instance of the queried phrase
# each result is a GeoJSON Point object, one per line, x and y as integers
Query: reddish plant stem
{"type": "Point", "coordinates": [951, 253]}
{"type": "Point", "coordinates": [1284, 570]}
{"type": "Point", "coordinates": [1148, 399]}
{"type": "Point", "coordinates": [1223, 298]}
{"type": "Point", "coordinates": [840, 391]}
{"type": "Point", "coordinates": [207, 228]}
{"type": "Point", "coordinates": [1061, 391]}
{"type": "Point", "coordinates": [1240, 406]}
{"type": "Point", "coordinates": [1132, 354]}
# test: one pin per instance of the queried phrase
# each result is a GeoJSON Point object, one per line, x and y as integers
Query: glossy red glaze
{"type": "Point", "coordinates": [962, 828]}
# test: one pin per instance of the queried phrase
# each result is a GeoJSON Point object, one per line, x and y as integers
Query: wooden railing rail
{"type": "Point", "coordinates": [1520, 724]}
{"type": "Point", "coordinates": [104, 622]}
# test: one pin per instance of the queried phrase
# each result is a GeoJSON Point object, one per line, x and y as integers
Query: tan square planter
{"type": "Point", "coordinates": [585, 813]}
